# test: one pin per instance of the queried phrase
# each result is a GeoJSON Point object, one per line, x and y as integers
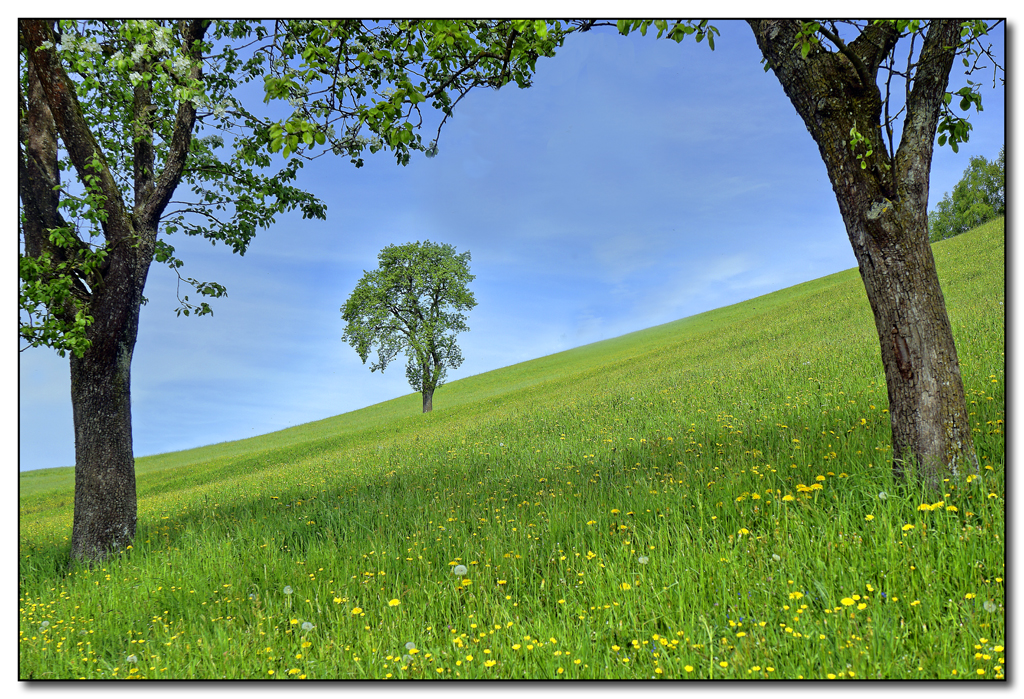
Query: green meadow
{"type": "Point", "coordinates": [709, 498]}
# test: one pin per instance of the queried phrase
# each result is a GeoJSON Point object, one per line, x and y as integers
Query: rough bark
{"type": "Point", "coordinates": [884, 207]}
{"type": "Point", "coordinates": [105, 498]}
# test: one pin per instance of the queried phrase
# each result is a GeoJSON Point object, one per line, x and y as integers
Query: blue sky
{"type": "Point", "coordinates": [637, 182]}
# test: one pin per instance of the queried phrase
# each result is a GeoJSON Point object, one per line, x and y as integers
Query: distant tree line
{"type": "Point", "coordinates": [979, 196]}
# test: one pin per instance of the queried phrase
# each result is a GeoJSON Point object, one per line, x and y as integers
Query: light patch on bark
{"type": "Point", "coordinates": [878, 208]}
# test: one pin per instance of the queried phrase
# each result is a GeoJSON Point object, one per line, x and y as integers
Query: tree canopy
{"type": "Point", "coordinates": [413, 303]}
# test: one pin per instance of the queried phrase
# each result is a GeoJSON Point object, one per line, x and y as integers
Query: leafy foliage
{"type": "Point", "coordinates": [412, 303]}
{"type": "Point", "coordinates": [979, 196]}
{"type": "Point", "coordinates": [330, 87]}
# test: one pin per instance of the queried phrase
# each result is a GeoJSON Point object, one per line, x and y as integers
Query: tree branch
{"type": "Point", "coordinates": [181, 138]}
{"type": "Point", "coordinates": [81, 146]}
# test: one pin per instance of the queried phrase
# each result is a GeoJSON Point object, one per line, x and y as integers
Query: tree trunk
{"type": "Point", "coordinates": [930, 426]}
{"type": "Point", "coordinates": [883, 199]}
{"type": "Point", "coordinates": [105, 502]}
{"type": "Point", "coordinates": [428, 398]}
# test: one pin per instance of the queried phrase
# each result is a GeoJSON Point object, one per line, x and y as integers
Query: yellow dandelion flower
{"type": "Point", "coordinates": [846, 601]}
{"type": "Point", "coordinates": [907, 527]}
{"type": "Point", "coordinates": [357, 610]}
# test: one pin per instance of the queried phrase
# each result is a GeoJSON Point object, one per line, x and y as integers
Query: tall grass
{"type": "Point", "coordinates": [710, 498]}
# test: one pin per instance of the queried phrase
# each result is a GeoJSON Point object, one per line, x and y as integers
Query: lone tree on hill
{"type": "Point", "coordinates": [413, 303]}
{"type": "Point", "coordinates": [114, 115]}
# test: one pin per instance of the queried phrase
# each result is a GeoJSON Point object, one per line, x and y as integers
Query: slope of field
{"type": "Point", "coordinates": [710, 497]}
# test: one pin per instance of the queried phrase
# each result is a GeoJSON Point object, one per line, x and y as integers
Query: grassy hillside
{"type": "Point", "coordinates": [706, 498]}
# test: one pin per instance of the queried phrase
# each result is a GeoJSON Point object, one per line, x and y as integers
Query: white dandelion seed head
{"type": "Point", "coordinates": [643, 560]}
{"type": "Point", "coordinates": [307, 626]}
{"type": "Point", "coordinates": [883, 495]}
{"type": "Point", "coordinates": [287, 589]}
{"type": "Point", "coordinates": [460, 570]}
{"type": "Point", "coordinates": [410, 645]}
{"type": "Point", "coordinates": [131, 659]}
